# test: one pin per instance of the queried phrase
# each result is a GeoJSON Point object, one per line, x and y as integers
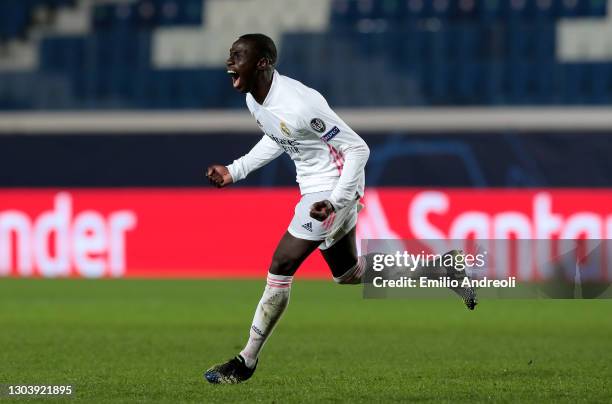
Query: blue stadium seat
{"type": "Point", "coordinates": [436, 83]}
{"type": "Point", "coordinates": [467, 42]}
{"type": "Point", "coordinates": [517, 10]}
{"type": "Point", "coordinates": [414, 10]}
{"type": "Point", "coordinates": [598, 82]}
{"type": "Point", "coordinates": [440, 9]}
{"type": "Point", "coordinates": [14, 18]}
{"type": "Point", "coordinates": [175, 12]}
{"type": "Point", "coordinates": [146, 14]}
{"type": "Point", "coordinates": [465, 81]}
{"type": "Point", "coordinates": [62, 54]}
{"type": "Point", "coordinates": [489, 11]}
{"type": "Point", "coordinates": [571, 8]}
{"type": "Point", "coordinates": [409, 48]}
{"type": "Point", "coordinates": [544, 42]}
{"type": "Point", "coordinates": [542, 78]}
{"type": "Point", "coordinates": [114, 16]}
{"type": "Point", "coordinates": [572, 83]}
{"type": "Point", "coordinates": [597, 8]}
{"type": "Point", "coordinates": [390, 10]}
{"type": "Point", "coordinates": [436, 46]}
{"type": "Point", "coordinates": [543, 10]}
{"type": "Point", "coordinates": [15, 15]}
{"type": "Point", "coordinates": [465, 10]}
{"type": "Point", "coordinates": [493, 90]}
{"type": "Point", "coordinates": [517, 42]}
{"type": "Point", "coordinates": [343, 14]}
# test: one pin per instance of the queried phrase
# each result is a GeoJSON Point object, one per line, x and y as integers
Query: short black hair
{"type": "Point", "coordinates": [264, 44]}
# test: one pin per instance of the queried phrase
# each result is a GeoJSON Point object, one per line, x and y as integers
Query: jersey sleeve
{"type": "Point", "coordinates": [344, 144]}
{"type": "Point", "coordinates": [261, 154]}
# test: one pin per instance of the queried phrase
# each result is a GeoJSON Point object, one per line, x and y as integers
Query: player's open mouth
{"type": "Point", "coordinates": [235, 78]}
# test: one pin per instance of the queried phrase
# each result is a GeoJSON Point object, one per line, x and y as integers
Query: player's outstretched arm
{"type": "Point", "coordinates": [219, 175]}
{"type": "Point", "coordinates": [261, 154]}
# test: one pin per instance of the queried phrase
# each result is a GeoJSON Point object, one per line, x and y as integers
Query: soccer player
{"type": "Point", "coordinates": [329, 158]}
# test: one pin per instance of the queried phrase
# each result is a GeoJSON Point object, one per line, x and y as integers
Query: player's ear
{"type": "Point", "coordinates": [263, 64]}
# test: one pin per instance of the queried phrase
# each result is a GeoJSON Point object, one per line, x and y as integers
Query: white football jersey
{"type": "Point", "coordinates": [327, 153]}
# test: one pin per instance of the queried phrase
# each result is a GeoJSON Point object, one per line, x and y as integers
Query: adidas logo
{"type": "Point", "coordinates": [258, 331]}
{"type": "Point", "coordinates": [308, 226]}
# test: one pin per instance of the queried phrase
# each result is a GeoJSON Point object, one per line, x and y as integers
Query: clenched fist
{"type": "Point", "coordinates": [219, 175]}
{"type": "Point", "coordinates": [321, 210]}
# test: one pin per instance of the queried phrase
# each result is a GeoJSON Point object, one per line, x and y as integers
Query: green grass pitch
{"type": "Point", "coordinates": [150, 341]}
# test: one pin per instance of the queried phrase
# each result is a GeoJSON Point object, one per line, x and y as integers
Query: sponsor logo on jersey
{"type": "Point", "coordinates": [331, 134]}
{"type": "Point", "coordinates": [285, 129]}
{"type": "Point", "coordinates": [288, 145]}
{"type": "Point", "coordinates": [318, 125]}
{"type": "Point", "coordinates": [308, 226]}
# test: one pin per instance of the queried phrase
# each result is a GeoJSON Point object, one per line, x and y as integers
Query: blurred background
{"type": "Point", "coordinates": [486, 117]}
{"type": "Point", "coordinates": [169, 54]}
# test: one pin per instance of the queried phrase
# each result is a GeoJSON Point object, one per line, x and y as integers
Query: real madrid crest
{"type": "Point", "coordinates": [285, 129]}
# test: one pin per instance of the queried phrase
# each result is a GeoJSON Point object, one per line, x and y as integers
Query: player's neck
{"type": "Point", "coordinates": [262, 86]}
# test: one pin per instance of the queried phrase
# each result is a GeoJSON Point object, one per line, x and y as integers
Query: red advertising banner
{"type": "Point", "coordinates": [233, 232]}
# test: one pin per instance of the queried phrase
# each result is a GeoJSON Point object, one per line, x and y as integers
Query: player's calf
{"type": "Point", "coordinates": [354, 275]}
{"type": "Point", "coordinates": [269, 310]}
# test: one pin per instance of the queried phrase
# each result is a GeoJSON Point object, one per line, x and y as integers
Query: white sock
{"type": "Point", "coordinates": [269, 310]}
{"type": "Point", "coordinates": [353, 276]}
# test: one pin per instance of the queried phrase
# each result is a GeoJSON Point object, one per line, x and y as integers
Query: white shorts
{"type": "Point", "coordinates": [329, 231]}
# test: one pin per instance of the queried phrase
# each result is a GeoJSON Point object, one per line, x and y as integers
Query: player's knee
{"type": "Point", "coordinates": [283, 264]}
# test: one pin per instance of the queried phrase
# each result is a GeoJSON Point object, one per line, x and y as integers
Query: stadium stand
{"type": "Point", "coordinates": [169, 54]}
